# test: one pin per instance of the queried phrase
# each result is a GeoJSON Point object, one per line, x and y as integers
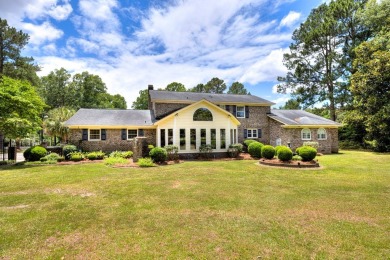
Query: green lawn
{"type": "Point", "coordinates": [213, 210]}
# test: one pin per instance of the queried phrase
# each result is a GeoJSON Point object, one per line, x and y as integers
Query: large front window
{"type": "Point", "coordinates": [202, 136]}
{"type": "Point", "coordinates": [223, 138]}
{"type": "Point", "coordinates": [162, 137]}
{"type": "Point", "coordinates": [193, 139]}
{"type": "Point", "coordinates": [203, 114]}
{"type": "Point", "coordinates": [213, 136]}
{"type": "Point", "coordinates": [131, 133]}
{"type": "Point", "coordinates": [94, 134]}
{"type": "Point", "coordinates": [182, 139]}
{"type": "Point", "coordinates": [240, 112]}
{"type": "Point", "coordinates": [306, 134]}
{"type": "Point", "coordinates": [170, 136]}
{"type": "Point", "coordinates": [252, 133]}
{"type": "Point", "coordinates": [321, 134]}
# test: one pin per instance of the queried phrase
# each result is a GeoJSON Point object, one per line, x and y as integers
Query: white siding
{"type": "Point", "coordinates": [184, 120]}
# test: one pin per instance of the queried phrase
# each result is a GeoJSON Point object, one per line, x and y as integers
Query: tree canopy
{"type": "Point", "coordinates": [12, 64]}
{"type": "Point", "coordinates": [175, 86]}
{"type": "Point", "coordinates": [320, 55]}
{"type": "Point", "coordinates": [21, 108]}
{"type": "Point", "coordinates": [237, 88]}
{"type": "Point", "coordinates": [83, 90]}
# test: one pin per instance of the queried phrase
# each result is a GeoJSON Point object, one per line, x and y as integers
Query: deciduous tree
{"type": "Point", "coordinates": [237, 88]}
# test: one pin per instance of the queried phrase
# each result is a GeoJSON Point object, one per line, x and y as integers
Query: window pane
{"type": "Point", "coordinates": [182, 139]}
{"type": "Point", "coordinates": [193, 139]}
{"type": "Point", "coordinates": [202, 136]}
{"type": "Point", "coordinates": [131, 133]}
{"type": "Point", "coordinates": [231, 136]}
{"type": "Point", "coordinates": [223, 138]}
{"type": "Point", "coordinates": [162, 137]}
{"type": "Point", "coordinates": [240, 112]}
{"type": "Point", "coordinates": [213, 134]}
{"type": "Point", "coordinates": [203, 114]}
{"type": "Point", "coordinates": [94, 134]}
{"type": "Point", "coordinates": [170, 136]}
{"type": "Point", "coordinates": [249, 131]}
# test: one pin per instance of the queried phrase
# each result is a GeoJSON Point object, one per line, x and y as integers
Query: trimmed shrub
{"type": "Point", "coordinates": [91, 156]}
{"type": "Point", "coordinates": [237, 146]}
{"type": "Point", "coordinates": [27, 154]}
{"type": "Point", "coordinates": [268, 152]}
{"type": "Point", "coordinates": [120, 154]}
{"type": "Point", "coordinates": [145, 162]}
{"type": "Point", "coordinates": [115, 161]}
{"type": "Point", "coordinates": [127, 154]}
{"type": "Point", "coordinates": [67, 149]}
{"type": "Point", "coordinates": [205, 151]}
{"type": "Point", "coordinates": [297, 150]}
{"type": "Point", "coordinates": [36, 153]}
{"type": "Point", "coordinates": [233, 152]}
{"type": "Point", "coordinates": [158, 154]}
{"type": "Point", "coordinates": [315, 145]}
{"type": "Point", "coordinates": [254, 149]}
{"type": "Point", "coordinates": [297, 158]}
{"type": "Point", "coordinates": [285, 154]}
{"type": "Point", "coordinates": [307, 153]}
{"type": "Point", "coordinates": [76, 156]}
{"type": "Point", "coordinates": [172, 151]}
{"type": "Point", "coordinates": [247, 142]}
{"type": "Point", "coordinates": [277, 149]}
{"type": "Point", "coordinates": [51, 157]}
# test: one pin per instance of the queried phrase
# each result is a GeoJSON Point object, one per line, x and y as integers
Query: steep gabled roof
{"type": "Point", "coordinates": [191, 97]}
{"type": "Point", "coordinates": [300, 118]}
{"type": "Point", "coordinates": [111, 117]}
{"type": "Point", "coordinates": [203, 101]}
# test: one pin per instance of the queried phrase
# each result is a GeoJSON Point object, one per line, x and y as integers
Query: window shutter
{"type": "Point", "coordinates": [140, 132]}
{"type": "Point", "coordinates": [227, 108]}
{"type": "Point", "coordinates": [258, 133]}
{"type": "Point", "coordinates": [245, 133]}
{"type": "Point", "coordinates": [246, 112]}
{"type": "Point", "coordinates": [85, 135]}
{"type": "Point", "coordinates": [235, 111]}
{"type": "Point", "coordinates": [103, 134]}
{"type": "Point", "coordinates": [124, 134]}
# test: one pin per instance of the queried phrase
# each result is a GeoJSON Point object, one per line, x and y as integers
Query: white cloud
{"type": "Point", "coordinates": [60, 12]}
{"type": "Point", "coordinates": [290, 19]}
{"type": "Point", "coordinates": [41, 33]}
{"type": "Point", "coordinates": [280, 101]}
{"type": "Point", "coordinates": [268, 68]}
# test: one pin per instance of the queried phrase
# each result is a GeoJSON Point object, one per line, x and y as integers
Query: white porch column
{"type": "Point", "coordinates": [158, 141]}
{"type": "Point", "coordinates": [174, 130]}
{"type": "Point", "coordinates": [228, 133]}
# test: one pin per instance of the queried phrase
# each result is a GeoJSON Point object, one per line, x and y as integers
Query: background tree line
{"type": "Point", "coordinates": [215, 85]}
{"type": "Point", "coordinates": [28, 103]}
{"type": "Point", "coordinates": [340, 59]}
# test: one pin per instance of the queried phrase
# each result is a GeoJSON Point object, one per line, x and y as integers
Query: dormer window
{"type": "Point", "coordinates": [203, 114]}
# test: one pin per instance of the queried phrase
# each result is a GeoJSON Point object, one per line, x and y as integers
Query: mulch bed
{"type": "Point", "coordinates": [290, 164]}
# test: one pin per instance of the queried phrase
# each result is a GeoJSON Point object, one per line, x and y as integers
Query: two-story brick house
{"type": "Point", "coordinates": [188, 120]}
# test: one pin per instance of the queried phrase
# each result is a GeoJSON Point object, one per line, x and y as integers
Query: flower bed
{"type": "Point", "coordinates": [292, 163]}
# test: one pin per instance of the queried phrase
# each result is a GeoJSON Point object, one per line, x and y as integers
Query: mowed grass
{"type": "Point", "coordinates": [198, 210]}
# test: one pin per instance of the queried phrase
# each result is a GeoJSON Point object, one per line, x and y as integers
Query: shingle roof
{"type": "Point", "coordinates": [190, 97]}
{"type": "Point", "coordinates": [299, 117]}
{"type": "Point", "coordinates": [111, 117]}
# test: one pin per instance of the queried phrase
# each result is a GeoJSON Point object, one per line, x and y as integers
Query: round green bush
{"type": "Point", "coordinates": [36, 153]}
{"type": "Point", "coordinates": [27, 154]}
{"type": "Point", "coordinates": [91, 156]}
{"type": "Point", "coordinates": [268, 152]}
{"type": "Point", "coordinates": [67, 149]}
{"type": "Point", "coordinates": [254, 149]}
{"type": "Point", "coordinates": [285, 154]}
{"type": "Point", "coordinates": [158, 154]}
{"type": "Point", "coordinates": [247, 142]}
{"type": "Point", "coordinates": [297, 150]}
{"type": "Point", "coordinates": [307, 153]}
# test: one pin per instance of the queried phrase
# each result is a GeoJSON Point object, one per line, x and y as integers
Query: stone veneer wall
{"type": "Point", "coordinates": [164, 109]}
{"type": "Point", "coordinates": [293, 135]}
{"type": "Point", "coordinates": [258, 120]}
{"type": "Point", "coordinates": [113, 141]}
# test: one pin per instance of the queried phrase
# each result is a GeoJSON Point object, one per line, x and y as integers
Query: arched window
{"type": "Point", "coordinates": [321, 134]}
{"type": "Point", "coordinates": [306, 134]}
{"type": "Point", "coordinates": [203, 114]}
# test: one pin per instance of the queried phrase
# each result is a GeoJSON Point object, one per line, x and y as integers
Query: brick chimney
{"type": "Point", "coordinates": [150, 105]}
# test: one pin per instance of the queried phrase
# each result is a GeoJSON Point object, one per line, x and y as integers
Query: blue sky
{"type": "Point", "coordinates": [133, 43]}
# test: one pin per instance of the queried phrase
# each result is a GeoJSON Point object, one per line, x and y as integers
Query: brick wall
{"type": "Point", "coordinates": [293, 135]}
{"type": "Point", "coordinates": [258, 120]}
{"type": "Point", "coordinates": [113, 141]}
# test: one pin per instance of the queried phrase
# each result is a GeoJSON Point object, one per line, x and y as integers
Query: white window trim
{"type": "Point", "coordinates": [89, 135]}
{"type": "Point", "coordinates": [304, 130]}
{"type": "Point", "coordinates": [127, 134]}
{"type": "Point", "coordinates": [237, 112]}
{"type": "Point", "coordinates": [253, 131]}
{"type": "Point", "coordinates": [324, 131]}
